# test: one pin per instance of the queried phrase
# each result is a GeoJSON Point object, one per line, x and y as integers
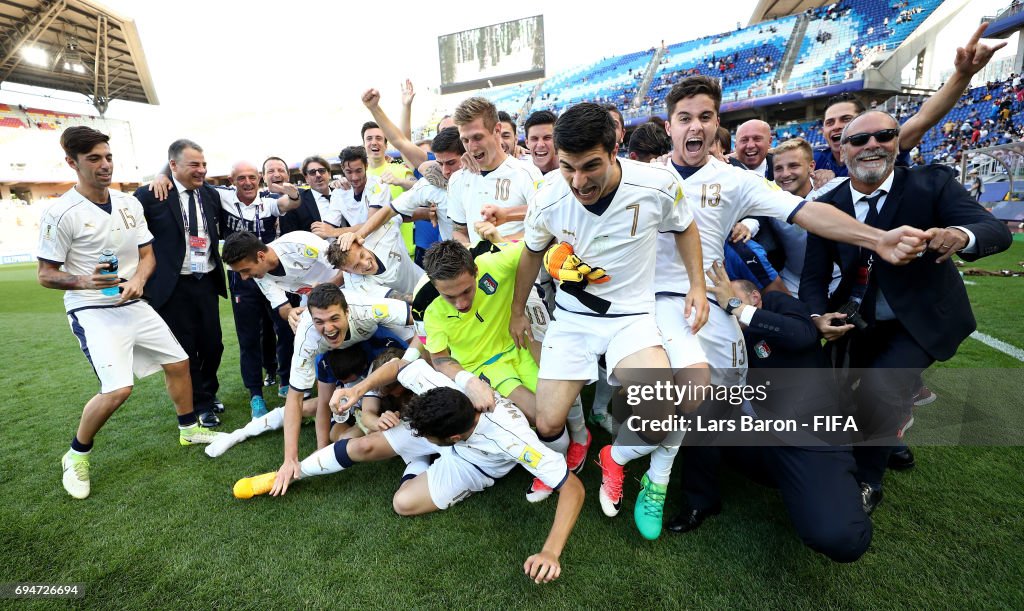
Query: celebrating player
{"type": "Point", "coordinates": [119, 332]}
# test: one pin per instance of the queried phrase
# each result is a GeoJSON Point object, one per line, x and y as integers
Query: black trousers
{"type": "Point", "coordinates": [889, 363]}
{"type": "Point", "coordinates": [253, 319]}
{"type": "Point", "coordinates": [193, 316]}
{"type": "Point", "coordinates": [818, 486]}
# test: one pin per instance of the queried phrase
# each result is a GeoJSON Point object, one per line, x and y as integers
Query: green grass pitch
{"type": "Point", "coordinates": [161, 529]}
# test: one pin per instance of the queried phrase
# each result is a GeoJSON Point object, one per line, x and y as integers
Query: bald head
{"type": "Point", "coordinates": [753, 139]}
{"type": "Point", "coordinates": [246, 179]}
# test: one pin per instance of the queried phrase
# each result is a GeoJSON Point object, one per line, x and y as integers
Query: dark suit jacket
{"type": "Point", "coordinates": [303, 217]}
{"type": "Point", "coordinates": [168, 229]}
{"type": "Point", "coordinates": [929, 300]}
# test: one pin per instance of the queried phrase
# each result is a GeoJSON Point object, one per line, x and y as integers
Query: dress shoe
{"type": "Point", "coordinates": [209, 420]}
{"type": "Point", "coordinates": [870, 497]}
{"type": "Point", "coordinates": [901, 459]}
{"type": "Point", "coordinates": [691, 519]}
{"type": "Point", "coordinates": [218, 407]}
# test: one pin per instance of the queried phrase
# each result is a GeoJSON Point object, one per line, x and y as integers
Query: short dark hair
{"type": "Point", "coordinates": [650, 139]}
{"type": "Point", "coordinates": [504, 117]}
{"type": "Point", "coordinates": [583, 127]}
{"type": "Point", "coordinates": [369, 125]}
{"type": "Point", "coordinates": [326, 295]}
{"type": "Point", "coordinates": [79, 140]}
{"type": "Point", "coordinates": [541, 117]}
{"type": "Point", "coordinates": [352, 153]}
{"type": "Point", "coordinates": [440, 413]}
{"type": "Point", "coordinates": [272, 158]}
{"type": "Point", "coordinates": [725, 140]}
{"type": "Point", "coordinates": [240, 246]}
{"type": "Point", "coordinates": [336, 256]}
{"type": "Point", "coordinates": [448, 259]}
{"type": "Point", "coordinates": [447, 141]}
{"type": "Point", "coordinates": [693, 86]}
{"type": "Point", "coordinates": [843, 98]}
{"type": "Point", "coordinates": [178, 147]}
{"type": "Point", "coordinates": [316, 159]}
{"type": "Point", "coordinates": [347, 362]}
{"type": "Point", "coordinates": [615, 109]}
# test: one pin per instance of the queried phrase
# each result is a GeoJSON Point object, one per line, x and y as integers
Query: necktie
{"type": "Point", "coordinates": [867, 309]}
{"type": "Point", "coordinates": [193, 226]}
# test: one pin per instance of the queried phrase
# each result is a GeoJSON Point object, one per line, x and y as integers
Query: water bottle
{"type": "Point", "coordinates": [108, 256]}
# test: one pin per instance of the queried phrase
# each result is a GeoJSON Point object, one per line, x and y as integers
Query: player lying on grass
{"type": "Point", "coordinates": [475, 448]}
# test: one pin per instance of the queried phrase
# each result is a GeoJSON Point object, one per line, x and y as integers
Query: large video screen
{"type": "Point", "coordinates": [493, 55]}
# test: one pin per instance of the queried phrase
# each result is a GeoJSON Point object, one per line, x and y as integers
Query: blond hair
{"type": "Point", "coordinates": [795, 144]}
{"type": "Point", "coordinates": [473, 108]}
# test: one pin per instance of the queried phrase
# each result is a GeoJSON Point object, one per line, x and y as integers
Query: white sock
{"type": "Point", "coordinates": [321, 462]}
{"type": "Point", "coordinates": [576, 422]}
{"type": "Point", "coordinates": [628, 446]}
{"type": "Point", "coordinates": [271, 421]}
{"type": "Point", "coordinates": [560, 444]}
{"type": "Point", "coordinates": [225, 442]}
{"type": "Point", "coordinates": [603, 393]}
{"type": "Point", "coordinates": [663, 457]}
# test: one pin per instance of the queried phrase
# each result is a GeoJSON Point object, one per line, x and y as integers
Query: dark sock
{"type": "Point", "coordinates": [341, 453]}
{"type": "Point", "coordinates": [188, 419]}
{"type": "Point", "coordinates": [255, 392]}
{"type": "Point", "coordinates": [78, 446]}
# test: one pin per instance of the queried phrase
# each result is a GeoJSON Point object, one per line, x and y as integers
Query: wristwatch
{"type": "Point", "coordinates": [732, 304]}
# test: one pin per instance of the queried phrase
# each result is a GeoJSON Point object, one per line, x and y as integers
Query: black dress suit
{"type": "Point", "coordinates": [303, 217]}
{"type": "Point", "coordinates": [188, 303]}
{"type": "Point", "coordinates": [929, 301]}
{"type": "Point", "coordinates": [817, 482]}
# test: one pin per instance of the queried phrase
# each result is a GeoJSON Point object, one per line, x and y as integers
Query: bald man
{"type": "Point", "coordinates": [753, 139]}
{"type": "Point", "coordinates": [244, 209]}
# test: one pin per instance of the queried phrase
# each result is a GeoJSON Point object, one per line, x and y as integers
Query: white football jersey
{"type": "Point", "coordinates": [74, 232]}
{"type": "Point", "coordinates": [622, 240]}
{"type": "Point", "coordinates": [423, 194]}
{"type": "Point", "coordinates": [397, 271]}
{"type": "Point", "coordinates": [304, 260]}
{"type": "Point", "coordinates": [501, 439]}
{"type": "Point", "coordinates": [719, 195]}
{"type": "Point", "coordinates": [365, 315]}
{"type": "Point", "coordinates": [345, 210]}
{"type": "Point", "coordinates": [510, 184]}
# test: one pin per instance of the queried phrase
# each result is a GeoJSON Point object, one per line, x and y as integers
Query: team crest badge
{"type": "Point", "coordinates": [488, 284]}
{"type": "Point", "coordinates": [530, 457]}
{"type": "Point", "coordinates": [310, 252]}
{"type": "Point", "coordinates": [380, 311]}
{"type": "Point", "coordinates": [762, 349]}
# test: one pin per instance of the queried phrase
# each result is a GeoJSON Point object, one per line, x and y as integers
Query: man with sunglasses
{"type": "Point", "coordinates": [314, 201]}
{"type": "Point", "coordinates": [842, 108]}
{"type": "Point", "coordinates": [914, 314]}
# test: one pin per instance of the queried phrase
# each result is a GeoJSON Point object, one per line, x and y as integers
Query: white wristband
{"type": "Point", "coordinates": [462, 379]}
{"type": "Point", "coordinates": [411, 354]}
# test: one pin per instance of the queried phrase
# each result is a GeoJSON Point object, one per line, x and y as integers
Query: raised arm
{"type": "Point", "coordinates": [410, 152]}
{"type": "Point", "coordinates": [968, 62]}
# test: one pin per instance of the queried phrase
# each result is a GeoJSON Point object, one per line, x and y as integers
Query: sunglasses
{"type": "Point", "coordinates": [882, 136]}
{"type": "Point", "coordinates": [322, 171]}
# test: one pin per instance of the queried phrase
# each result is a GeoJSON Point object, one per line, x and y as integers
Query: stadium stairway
{"type": "Point", "coordinates": [645, 83]}
{"type": "Point", "coordinates": [792, 50]}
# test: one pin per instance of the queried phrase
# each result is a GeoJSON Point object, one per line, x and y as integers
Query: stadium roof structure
{"type": "Point", "coordinates": [74, 45]}
{"type": "Point", "coordinates": [767, 10]}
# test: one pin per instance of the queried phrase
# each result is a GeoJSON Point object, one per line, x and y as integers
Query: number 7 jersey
{"type": "Point", "coordinates": [622, 239]}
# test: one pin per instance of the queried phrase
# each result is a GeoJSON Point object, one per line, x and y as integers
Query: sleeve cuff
{"type": "Point", "coordinates": [789, 219]}
{"type": "Point", "coordinates": [564, 479]}
{"type": "Point", "coordinates": [972, 242]}
{"type": "Point", "coordinates": [747, 314]}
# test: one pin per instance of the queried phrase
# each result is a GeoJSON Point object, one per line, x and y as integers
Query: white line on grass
{"type": "Point", "coordinates": [999, 345]}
